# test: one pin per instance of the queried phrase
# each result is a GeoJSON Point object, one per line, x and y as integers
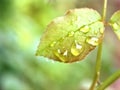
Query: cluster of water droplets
{"type": "Point", "coordinates": [61, 52]}
{"type": "Point", "coordinates": [76, 48]}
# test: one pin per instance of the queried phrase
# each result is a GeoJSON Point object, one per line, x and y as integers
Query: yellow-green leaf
{"type": "Point", "coordinates": [115, 23]}
{"type": "Point", "coordinates": [71, 37]}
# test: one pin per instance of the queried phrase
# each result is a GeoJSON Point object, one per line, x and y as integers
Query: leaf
{"type": "Point", "coordinates": [71, 37]}
{"type": "Point", "coordinates": [115, 23]}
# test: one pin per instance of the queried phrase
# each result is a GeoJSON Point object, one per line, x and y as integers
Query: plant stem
{"type": "Point", "coordinates": [104, 10]}
{"type": "Point", "coordinates": [116, 75]}
{"type": "Point", "coordinates": [109, 80]}
{"type": "Point", "coordinates": [98, 59]}
{"type": "Point", "coordinates": [97, 71]}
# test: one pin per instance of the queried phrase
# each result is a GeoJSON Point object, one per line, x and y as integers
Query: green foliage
{"type": "Point", "coordinates": [21, 24]}
{"type": "Point", "coordinates": [71, 37]}
{"type": "Point", "coordinates": [115, 23]}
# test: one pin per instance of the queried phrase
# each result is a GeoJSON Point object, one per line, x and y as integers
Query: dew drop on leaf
{"type": "Point", "coordinates": [92, 41]}
{"type": "Point", "coordinates": [61, 55]}
{"type": "Point", "coordinates": [76, 49]}
{"type": "Point", "coordinates": [65, 53]}
{"type": "Point", "coordinates": [58, 51]}
{"type": "Point", "coordinates": [85, 29]}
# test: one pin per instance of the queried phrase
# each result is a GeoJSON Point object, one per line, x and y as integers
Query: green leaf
{"type": "Point", "coordinates": [115, 23]}
{"type": "Point", "coordinates": [71, 37]}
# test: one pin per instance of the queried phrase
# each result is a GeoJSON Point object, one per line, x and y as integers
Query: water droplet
{"type": "Point", "coordinates": [76, 49]}
{"type": "Point", "coordinates": [93, 41]}
{"type": "Point", "coordinates": [85, 29]}
{"type": "Point", "coordinates": [61, 55]}
{"type": "Point", "coordinates": [58, 51]}
{"type": "Point", "coordinates": [101, 30]}
{"type": "Point", "coordinates": [115, 26]}
{"type": "Point", "coordinates": [52, 44]}
{"type": "Point", "coordinates": [65, 53]}
{"type": "Point", "coordinates": [70, 34]}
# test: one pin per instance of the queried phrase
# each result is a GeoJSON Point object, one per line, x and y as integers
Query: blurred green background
{"type": "Point", "coordinates": [22, 22]}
